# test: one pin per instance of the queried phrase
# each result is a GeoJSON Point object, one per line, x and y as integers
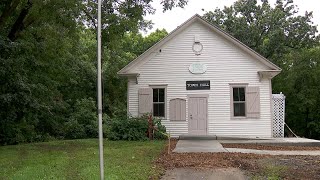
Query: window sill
{"type": "Point", "coordinates": [239, 117]}
{"type": "Point", "coordinates": [159, 117]}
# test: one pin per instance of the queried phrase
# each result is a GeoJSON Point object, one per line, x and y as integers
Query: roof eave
{"type": "Point", "coordinates": [128, 74]}
{"type": "Point", "coordinates": [268, 73]}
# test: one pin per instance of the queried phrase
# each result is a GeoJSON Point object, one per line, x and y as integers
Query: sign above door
{"type": "Point", "coordinates": [198, 85]}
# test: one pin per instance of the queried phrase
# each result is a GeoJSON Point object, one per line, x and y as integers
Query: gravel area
{"type": "Point", "coordinates": [202, 160]}
{"type": "Point", "coordinates": [257, 166]}
{"type": "Point", "coordinates": [208, 174]}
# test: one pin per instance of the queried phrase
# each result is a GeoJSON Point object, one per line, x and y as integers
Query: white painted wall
{"type": "Point", "coordinates": [226, 64]}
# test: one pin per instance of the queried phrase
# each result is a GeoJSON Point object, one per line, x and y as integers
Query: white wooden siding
{"type": "Point", "coordinates": [225, 64]}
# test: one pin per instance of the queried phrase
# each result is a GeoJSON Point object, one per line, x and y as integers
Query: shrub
{"type": "Point", "coordinates": [74, 130]}
{"type": "Point", "coordinates": [126, 129]}
{"type": "Point", "coordinates": [131, 128]}
{"type": "Point", "coordinates": [160, 127]}
{"type": "Point", "coordinates": [83, 120]}
{"type": "Point", "coordinates": [314, 129]}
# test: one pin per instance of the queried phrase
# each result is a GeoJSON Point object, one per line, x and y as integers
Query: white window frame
{"type": "Point", "coordinates": [162, 86]}
{"type": "Point", "coordinates": [238, 85]}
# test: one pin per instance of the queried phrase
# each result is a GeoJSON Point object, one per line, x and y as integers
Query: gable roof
{"type": "Point", "coordinates": [126, 70]}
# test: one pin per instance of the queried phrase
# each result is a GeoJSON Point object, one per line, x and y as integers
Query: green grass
{"type": "Point", "coordinates": [79, 159]}
{"type": "Point", "coordinates": [271, 172]}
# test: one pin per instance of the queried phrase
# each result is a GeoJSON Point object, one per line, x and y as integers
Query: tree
{"type": "Point", "coordinates": [120, 17]}
{"type": "Point", "coordinates": [290, 41]}
{"type": "Point", "coordinates": [301, 76]}
{"type": "Point", "coordinates": [271, 31]}
{"type": "Point", "coordinates": [47, 64]}
{"type": "Point", "coordinates": [17, 16]}
{"type": "Point", "coordinates": [40, 54]}
{"type": "Point", "coordinates": [130, 47]}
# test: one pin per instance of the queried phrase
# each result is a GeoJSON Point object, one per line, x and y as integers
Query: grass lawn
{"type": "Point", "coordinates": [79, 159]}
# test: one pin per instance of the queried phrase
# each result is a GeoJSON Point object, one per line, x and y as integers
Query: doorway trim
{"type": "Point", "coordinates": [198, 96]}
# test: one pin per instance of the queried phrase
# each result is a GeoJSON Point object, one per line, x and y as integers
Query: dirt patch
{"type": "Point", "coordinates": [202, 160]}
{"type": "Point", "coordinates": [260, 166]}
{"type": "Point", "coordinates": [288, 167]}
{"type": "Point", "coordinates": [270, 147]}
{"type": "Point", "coordinates": [191, 174]}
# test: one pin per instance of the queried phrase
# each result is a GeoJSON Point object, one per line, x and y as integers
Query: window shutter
{"type": "Point", "coordinates": [253, 102]}
{"type": "Point", "coordinates": [178, 109]}
{"type": "Point", "coordinates": [145, 100]}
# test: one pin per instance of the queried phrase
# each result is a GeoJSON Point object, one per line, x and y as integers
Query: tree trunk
{"type": "Point", "coordinates": [18, 26]}
{"type": "Point", "coordinates": [306, 133]}
{"type": "Point", "coordinates": [8, 10]}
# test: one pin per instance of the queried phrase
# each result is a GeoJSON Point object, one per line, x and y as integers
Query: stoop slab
{"type": "Point", "coordinates": [188, 146]}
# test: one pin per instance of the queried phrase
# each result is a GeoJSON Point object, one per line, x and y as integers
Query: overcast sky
{"type": "Point", "coordinates": [171, 19]}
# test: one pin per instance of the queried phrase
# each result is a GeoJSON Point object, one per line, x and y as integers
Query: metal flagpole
{"type": "Point", "coordinates": [99, 96]}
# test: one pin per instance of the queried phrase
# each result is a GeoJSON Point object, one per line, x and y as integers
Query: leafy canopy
{"type": "Point", "coordinates": [290, 40]}
{"type": "Point", "coordinates": [270, 30]}
{"type": "Point", "coordinates": [48, 59]}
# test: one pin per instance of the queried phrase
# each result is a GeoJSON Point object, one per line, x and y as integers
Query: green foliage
{"type": "Point", "coordinates": [130, 46]}
{"type": "Point", "coordinates": [83, 120]}
{"type": "Point", "coordinates": [271, 172]}
{"type": "Point", "coordinates": [288, 40]}
{"type": "Point", "coordinates": [153, 38]}
{"type": "Point", "coordinates": [132, 128]}
{"type": "Point", "coordinates": [301, 87]}
{"type": "Point", "coordinates": [271, 31]}
{"type": "Point", "coordinates": [168, 5]}
{"type": "Point", "coordinates": [36, 80]}
{"type": "Point", "coordinates": [47, 65]}
{"type": "Point", "coordinates": [313, 128]}
{"type": "Point", "coordinates": [120, 17]}
{"type": "Point", "coordinates": [158, 134]}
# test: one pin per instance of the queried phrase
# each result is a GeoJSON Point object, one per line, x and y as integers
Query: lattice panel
{"type": "Point", "coordinates": [278, 102]}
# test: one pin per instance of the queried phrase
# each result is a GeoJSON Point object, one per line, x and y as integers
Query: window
{"type": "Point", "coordinates": [239, 101]}
{"type": "Point", "coordinates": [159, 102]}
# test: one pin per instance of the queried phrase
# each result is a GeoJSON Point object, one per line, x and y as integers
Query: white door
{"type": "Point", "coordinates": [197, 119]}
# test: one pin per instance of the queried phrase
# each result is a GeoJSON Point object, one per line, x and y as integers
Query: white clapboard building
{"type": "Point", "coordinates": [202, 81]}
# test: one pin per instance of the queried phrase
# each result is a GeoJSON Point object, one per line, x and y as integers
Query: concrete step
{"type": "Point", "coordinates": [197, 137]}
{"type": "Point", "coordinates": [214, 137]}
{"type": "Point", "coordinates": [240, 138]}
{"type": "Point", "coordinates": [187, 146]}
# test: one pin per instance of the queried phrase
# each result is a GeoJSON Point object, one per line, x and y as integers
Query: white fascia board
{"type": "Point", "coordinates": [268, 73]}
